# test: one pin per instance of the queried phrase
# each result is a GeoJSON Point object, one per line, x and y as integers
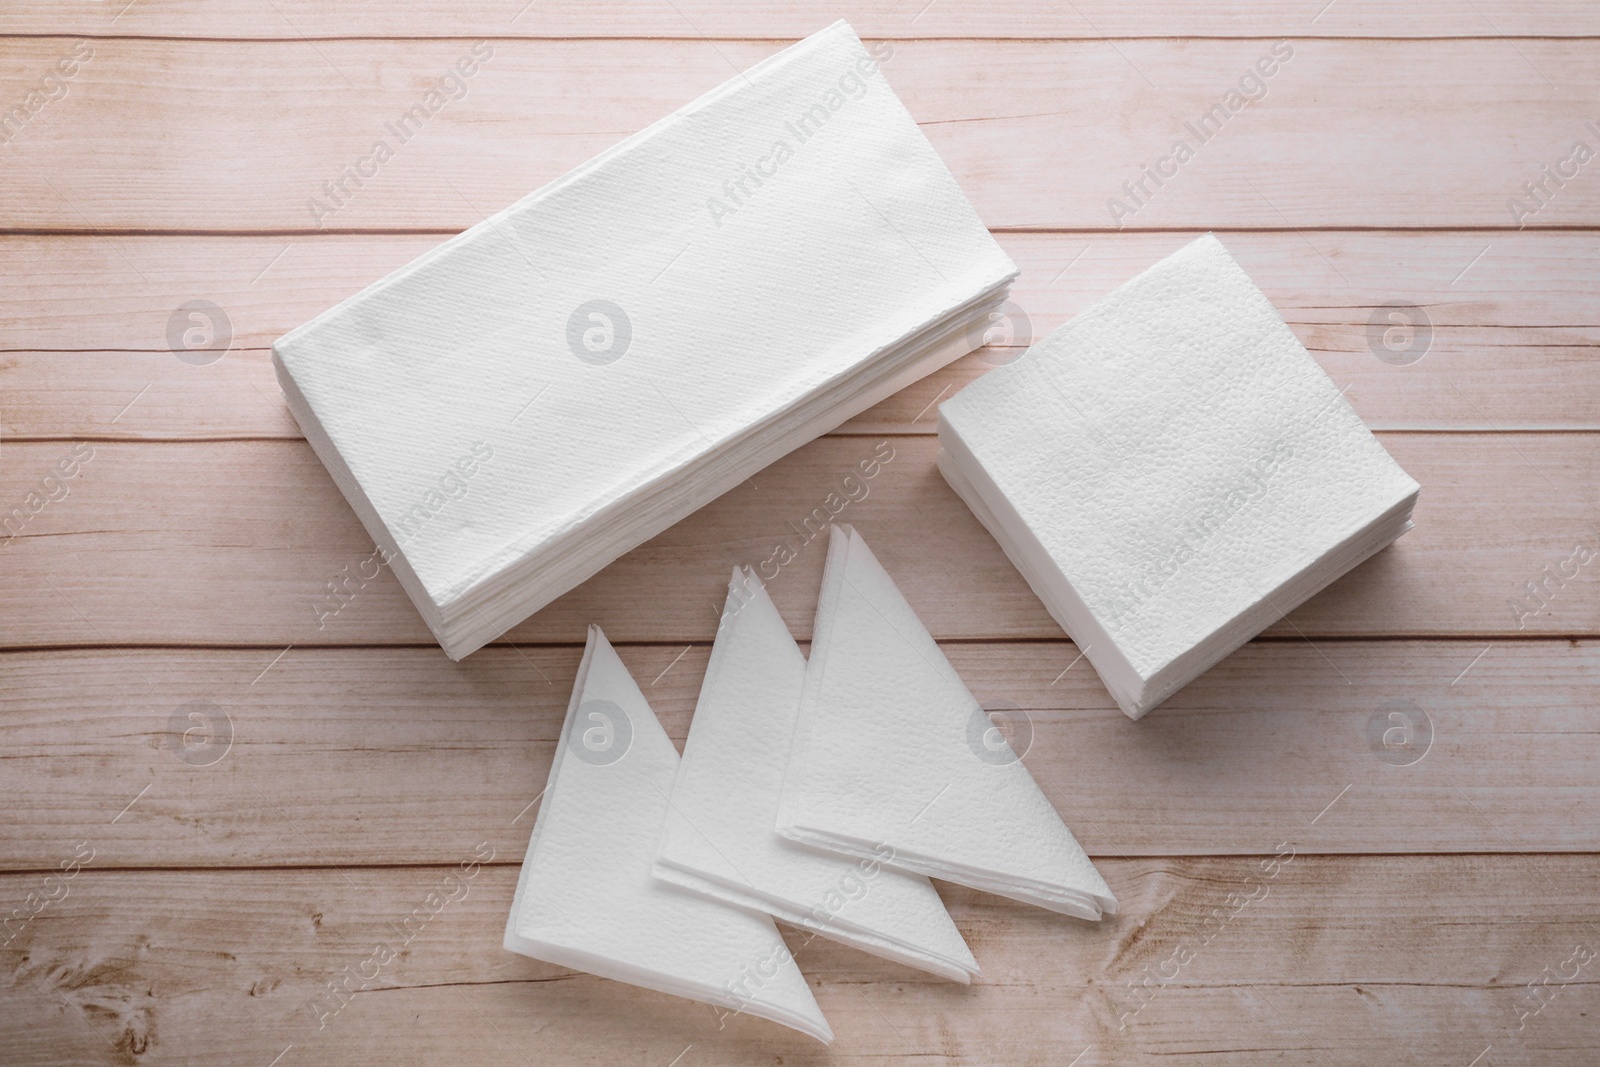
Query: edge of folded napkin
{"type": "Point", "coordinates": [955, 342]}
{"type": "Point", "coordinates": [549, 784]}
{"type": "Point", "coordinates": [1079, 903]}
{"type": "Point", "coordinates": [600, 967]}
{"type": "Point", "coordinates": [847, 934]}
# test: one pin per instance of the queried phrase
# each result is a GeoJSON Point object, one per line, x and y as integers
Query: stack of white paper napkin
{"type": "Point", "coordinates": [586, 898]}
{"type": "Point", "coordinates": [554, 386]}
{"type": "Point", "coordinates": [1172, 473]}
{"type": "Point", "coordinates": [721, 838]}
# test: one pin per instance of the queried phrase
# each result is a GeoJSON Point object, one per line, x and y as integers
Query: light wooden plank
{"type": "Point", "coordinates": [240, 136]}
{"type": "Point", "coordinates": [289, 754]}
{"type": "Point", "coordinates": [729, 18]}
{"type": "Point", "coordinates": [1514, 324]}
{"type": "Point", "coordinates": [228, 543]}
{"type": "Point", "coordinates": [1428, 961]}
{"type": "Point", "coordinates": [1459, 879]}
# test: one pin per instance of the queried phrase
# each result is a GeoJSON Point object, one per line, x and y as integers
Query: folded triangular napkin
{"type": "Point", "coordinates": [720, 838]}
{"type": "Point", "coordinates": [586, 897]}
{"type": "Point", "coordinates": [891, 750]}
{"type": "Point", "coordinates": [538, 395]}
{"type": "Point", "coordinates": [1172, 472]}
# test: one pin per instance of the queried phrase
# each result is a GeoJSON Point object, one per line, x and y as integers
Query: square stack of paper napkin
{"type": "Point", "coordinates": [1172, 473]}
{"type": "Point", "coordinates": [538, 395]}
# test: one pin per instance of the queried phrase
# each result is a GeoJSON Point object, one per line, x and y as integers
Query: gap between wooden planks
{"type": "Point", "coordinates": [1089, 19]}
{"type": "Point", "coordinates": [243, 136]}
{"type": "Point", "coordinates": [398, 756]}
{"type": "Point", "coordinates": [1511, 325]}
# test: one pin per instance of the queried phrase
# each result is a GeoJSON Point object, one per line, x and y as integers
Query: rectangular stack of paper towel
{"type": "Point", "coordinates": [1172, 473]}
{"type": "Point", "coordinates": [820, 794]}
{"type": "Point", "coordinates": [542, 393]}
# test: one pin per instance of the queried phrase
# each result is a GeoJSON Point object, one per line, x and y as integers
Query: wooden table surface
{"type": "Point", "coordinates": [1370, 836]}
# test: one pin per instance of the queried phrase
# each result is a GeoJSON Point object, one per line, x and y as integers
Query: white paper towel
{"type": "Point", "coordinates": [586, 897]}
{"type": "Point", "coordinates": [720, 838]}
{"type": "Point", "coordinates": [622, 346]}
{"type": "Point", "coordinates": [1172, 472]}
{"type": "Point", "coordinates": [891, 749]}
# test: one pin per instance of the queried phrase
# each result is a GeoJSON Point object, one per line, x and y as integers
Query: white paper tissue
{"type": "Point", "coordinates": [526, 402]}
{"type": "Point", "coordinates": [891, 749]}
{"type": "Point", "coordinates": [720, 836]}
{"type": "Point", "coordinates": [586, 897]}
{"type": "Point", "coordinates": [1172, 473]}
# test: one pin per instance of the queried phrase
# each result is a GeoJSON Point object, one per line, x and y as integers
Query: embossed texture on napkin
{"type": "Point", "coordinates": [538, 395]}
{"type": "Point", "coordinates": [891, 749]}
{"type": "Point", "coordinates": [720, 836]}
{"type": "Point", "coordinates": [586, 897]}
{"type": "Point", "coordinates": [1172, 472]}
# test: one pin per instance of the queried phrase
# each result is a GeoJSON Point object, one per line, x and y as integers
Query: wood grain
{"type": "Point", "coordinates": [769, 18]}
{"type": "Point", "coordinates": [1426, 956]}
{"type": "Point", "coordinates": [1514, 324]}
{"type": "Point", "coordinates": [396, 756]}
{"type": "Point", "coordinates": [230, 543]}
{"type": "Point", "coordinates": [233, 136]}
{"type": "Point", "coordinates": [336, 774]}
